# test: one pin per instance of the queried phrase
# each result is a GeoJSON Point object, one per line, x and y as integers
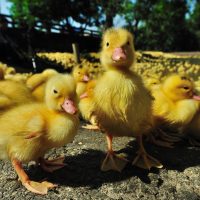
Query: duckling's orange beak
{"type": "Point", "coordinates": [118, 54]}
{"type": "Point", "coordinates": [196, 97]}
{"type": "Point", "coordinates": [86, 78]}
{"type": "Point", "coordinates": [69, 106]}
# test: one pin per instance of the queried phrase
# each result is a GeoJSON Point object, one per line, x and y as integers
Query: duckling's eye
{"type": "Point", "coordinates": [79, 72]}
{"type": "Point", "coordinates": [107, 44]}
{"type": "Point", "coordinates": [55, 91]}
{"type": "Point", "coordinates": [183, 78]}
{"type": "Point", "coordinates": [186, 88]}
{"type": "Point", "coordinates": [128, 43]}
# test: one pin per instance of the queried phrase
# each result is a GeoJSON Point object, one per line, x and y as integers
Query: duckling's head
{"type": "Point", "coordinates": [80, 74]}
{"type": "Point", "coordinates": [117, 49]}
{"type": "Point", "coordinates": [178, 87]}
{"type": "Point", "coordinates": [60, 94]}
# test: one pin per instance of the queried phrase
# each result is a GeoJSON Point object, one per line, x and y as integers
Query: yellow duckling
{"type": "Point", "coordinates": [175, 102]}
{"type": "Point", "coordinates": [81, 77]}
{"type": "Point", "coordinates": [29, 131]}
{"type": "Point", "coordinates": [121, 103]}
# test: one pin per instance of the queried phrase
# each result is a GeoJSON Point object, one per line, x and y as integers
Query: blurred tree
{"type": "Point", "coordinates": [158, 24]}
{"type": "Point", "coordinates": [194, 21]}
{"type": "Point", "coordinates": [108, 10]}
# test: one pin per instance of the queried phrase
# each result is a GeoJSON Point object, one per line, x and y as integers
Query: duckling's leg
{"type": "Point", "coordinates": [35, 187]}
{"type": "Point", "coordinates": [144, 160]}
{"type": "Point", "coordinates": [52, 165]}
{"type": "Point", "coordinates": [112, 161]}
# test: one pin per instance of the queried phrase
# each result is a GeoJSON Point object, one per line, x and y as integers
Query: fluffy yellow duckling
{"type": "Point", "coordinates": [29, 131]}
{"type": "Point", "coordinates": [175, 102]}
{"type": "Point", "coordinates": [121, 103]}
{"type": "Point", "coordinates": [37, 83]}
{"type": "Point", "coordinates": [81, 77]}
{"type": "Point", "coordinates": [13, 93]}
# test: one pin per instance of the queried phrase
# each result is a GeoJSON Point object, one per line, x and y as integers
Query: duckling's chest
{"type": "Point", "coordinates": [120, 103]}
{"type": "Point", "coordinates": [61, 129]}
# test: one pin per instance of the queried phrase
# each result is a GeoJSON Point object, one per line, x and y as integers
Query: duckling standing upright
{"type": "Point", "coordinates": [29, 131]}
{"type": "Point", "coordinates": [121, 103]}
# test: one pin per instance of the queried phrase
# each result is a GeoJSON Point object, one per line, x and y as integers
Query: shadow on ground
{"type": "Point", "coordinates": [84, 169]}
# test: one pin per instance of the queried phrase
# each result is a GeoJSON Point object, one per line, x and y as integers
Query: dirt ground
{"type": "Point", "coordinates": [82, 179]}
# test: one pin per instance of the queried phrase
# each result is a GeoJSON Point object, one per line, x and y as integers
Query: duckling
{"type": "Point", "coordinates": [175, 103]}
{"type": "Point", "coordinates": [81, 77]}
{"type": "Point", "coordinates": [13, 93]}
{"type": "Point", "coordinates": [37, 83]}
{"type": "Point", "coordinates": [30, 130]}
{"type": "Point", "coordinates": [121, 103]}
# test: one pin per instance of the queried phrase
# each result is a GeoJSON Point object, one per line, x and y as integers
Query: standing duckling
{"type": "Point", "coordinates": [29, 131]}
{"type": "Point", "coordinates": [121, 103]}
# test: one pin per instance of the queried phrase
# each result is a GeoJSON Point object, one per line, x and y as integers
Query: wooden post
{"type": "Point", "coordinates": [76, 52]}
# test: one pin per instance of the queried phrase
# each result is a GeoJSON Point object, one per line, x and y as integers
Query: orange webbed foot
{"type": "Point", "coordinates": [52, 165]}
{"type": "Point", "coordinates": [145, 161]}
{"type": "Point", "coordinates": [32, 186]}
{"type": "Point", "coordinates": [113, 162]}
{"type": "Point", "coordinates": [37, 187]}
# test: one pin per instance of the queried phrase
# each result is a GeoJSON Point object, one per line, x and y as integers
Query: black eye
{"type": "Point", "coordinates": [107, 44]}
{"type": "Point", "coordinates": [183, 78]}
{"type": "Point", "coordinates": [55, 91]}
{"type": "Point", "coordinates": [79, 72]}
{"type": "Point", "coordinates": [186, 88]}
{"type": "Point", "coordinates": [128, 43]}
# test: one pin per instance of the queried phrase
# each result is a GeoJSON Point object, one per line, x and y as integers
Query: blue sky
{"type": "Point", "coordinates": [4, 7]}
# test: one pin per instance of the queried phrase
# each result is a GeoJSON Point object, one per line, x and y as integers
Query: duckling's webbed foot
{"type": "Point", "coordinates": [113, 162]}
{"type": "Point", "coordinates": [144, 160]}
{"type": "Point", "coordinates": [32, 186]}
{"type": "Point", "coordinates": [52, 165]}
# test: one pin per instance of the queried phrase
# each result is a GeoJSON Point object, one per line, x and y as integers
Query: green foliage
{"type": "Point", "coordinates": [157, 24]}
